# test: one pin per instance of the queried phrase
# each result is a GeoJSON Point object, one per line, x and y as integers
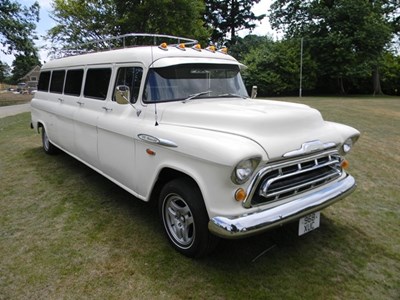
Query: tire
{"type": "Point", "coordinates": [48, 147]}
{"type": "Point", "coordinates": [185, 218]}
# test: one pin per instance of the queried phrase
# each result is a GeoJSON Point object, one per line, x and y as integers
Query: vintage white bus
{"type": "Point", "coordinates": [173, 123]}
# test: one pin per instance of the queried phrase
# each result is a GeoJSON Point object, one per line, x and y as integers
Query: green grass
{"type": "Point", "coordinates": [68, 233]}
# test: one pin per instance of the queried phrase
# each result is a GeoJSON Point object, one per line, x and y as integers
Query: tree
{"type": "Point", "coordinates": [5, 72]}
{"type": "Point", "coordinates": [229, 17]}
{"type": "Point", "coordinates": [80, 21]}
{"type": "Point", "coordinates": [390, 74]}
{"type": "Point", "coordinates": [22, 65]}
{"type": "Point", "coordinates": [347, 38]}
{"type": "Point", "coordinates": [274, 67]}
{"type": "Point", "coordinates": [17, 25]}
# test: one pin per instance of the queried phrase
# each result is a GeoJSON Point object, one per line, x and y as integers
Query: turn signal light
{"type": "Point", "coordinates": [240, 194]}
{"type": "Point", "coordinates": [345, 164]}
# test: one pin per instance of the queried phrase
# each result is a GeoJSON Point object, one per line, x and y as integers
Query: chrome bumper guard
{"type": "Point", "coordinates": [263, 220]}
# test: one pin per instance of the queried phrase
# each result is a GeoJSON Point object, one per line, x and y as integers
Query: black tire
{"type": "Point", "coordinates": [185, 218]}
{"type": "Point", "coordinates": [48, 147]}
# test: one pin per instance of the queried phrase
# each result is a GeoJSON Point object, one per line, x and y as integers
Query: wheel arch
{"type": "Point", "coordinates": [168, 174]}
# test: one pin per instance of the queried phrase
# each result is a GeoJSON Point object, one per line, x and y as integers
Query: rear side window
{"type": "Point", "coordinates": [57, 81]}
{"type": "Point", "coordinates": [97, 82]}
{"type": "Point", "coordinates": [73, 82]}
{"type": "Point", "coordinates": [44, 80]}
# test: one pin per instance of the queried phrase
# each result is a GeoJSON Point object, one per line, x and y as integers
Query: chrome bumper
{"type": "Point", "coordinates": [262, 220]}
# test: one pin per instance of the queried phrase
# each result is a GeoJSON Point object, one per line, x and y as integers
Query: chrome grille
{"type": "Point", "coordinates": [287, 179]}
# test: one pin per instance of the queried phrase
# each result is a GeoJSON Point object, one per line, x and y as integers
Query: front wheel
{"type": "Point", "coordinates": [48, 147]}
{"type": "Point", "coordinates": [185, 218]}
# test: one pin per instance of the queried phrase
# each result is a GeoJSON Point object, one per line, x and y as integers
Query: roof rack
{"type": "Point", "coordinates": [123, 41]}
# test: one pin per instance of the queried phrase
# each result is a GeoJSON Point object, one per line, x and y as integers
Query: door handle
{"type": "Point", "coordinates": [61, 100]}
{"type": "Point", "coordinates": [80, 103]}
{"type": "Point", "coordinates": [106, 108]}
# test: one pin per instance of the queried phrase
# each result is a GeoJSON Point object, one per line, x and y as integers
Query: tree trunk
{"type": "Point", "coordinates": [341, 86]}
{"type": "Point", "coordinates": [376, 81]}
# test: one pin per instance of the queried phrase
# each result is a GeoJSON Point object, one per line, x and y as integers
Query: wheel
{"type": "Point", "coordinates": [48, 147]}
{"type": "Point", "coordinates": [185, 218]}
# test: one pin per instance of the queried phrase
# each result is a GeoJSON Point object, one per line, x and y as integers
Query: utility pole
{"type": "Point", "coordinates": [301, 67]}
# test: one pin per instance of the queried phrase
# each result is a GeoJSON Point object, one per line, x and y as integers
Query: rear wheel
{"type": "Point", "coordinates": [48, 147]}
{"type": "Point", "coordinates": [185, 218]}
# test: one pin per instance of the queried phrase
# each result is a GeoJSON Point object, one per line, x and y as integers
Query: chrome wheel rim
{"type": "Point", "coordinates": [178, 221]}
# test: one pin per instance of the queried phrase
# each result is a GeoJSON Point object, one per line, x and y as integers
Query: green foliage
{"type": "Point", "coordinates": [22, 65]}
{"type": "Point", "coordinates": [275, 66]}
{"type": "Point", "coordinates": [17, 25]}
{"type": "Point", "coordinates": [81, 21]}
{"type": "Point", "coordinates": [346, 38]}
{"type": "Point", "coordinates": [228, 17]}
{"type": "Point", "coordinates": [390, 74]}
{"type": "Point", "coordinates": [5, 72]}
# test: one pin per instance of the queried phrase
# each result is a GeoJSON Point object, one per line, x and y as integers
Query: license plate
{"type": "Point", "coordinates": [309, 223]}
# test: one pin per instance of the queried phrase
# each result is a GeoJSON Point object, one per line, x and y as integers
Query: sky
{"type": "Point", "coordinates": [45, 23]}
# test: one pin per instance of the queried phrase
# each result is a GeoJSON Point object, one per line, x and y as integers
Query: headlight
{"type": "Point", "coordinates": [347, 145]}
{"type": "Point", "coordinates": [244, 170]}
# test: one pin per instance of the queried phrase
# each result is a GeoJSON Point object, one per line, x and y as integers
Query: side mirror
{"type": "Point", "coordinates": [122, 94]}
{"type": "Point", "coordinates": [254, 92]}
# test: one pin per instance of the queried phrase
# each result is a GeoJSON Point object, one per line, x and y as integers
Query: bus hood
{"type": "Point", "coordinates": [278, 127]}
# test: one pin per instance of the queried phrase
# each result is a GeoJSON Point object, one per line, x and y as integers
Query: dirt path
{"type": "Point", "coordinates": [12, 110]}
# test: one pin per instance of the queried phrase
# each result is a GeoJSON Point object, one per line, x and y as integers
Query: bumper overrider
{"type": "Point", "coordinates": [263, 220]}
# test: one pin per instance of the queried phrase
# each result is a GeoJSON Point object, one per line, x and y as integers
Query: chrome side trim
{"type": "Point", "coordinates": [154, 140]}
{"type": "Point", "coordinates": [232, 227]}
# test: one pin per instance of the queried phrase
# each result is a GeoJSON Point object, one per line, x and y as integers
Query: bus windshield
{"type": "Point", "coordinates": [190, 81]}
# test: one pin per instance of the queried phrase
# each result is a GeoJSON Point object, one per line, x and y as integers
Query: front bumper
{"type": "Point", "coordinates": [263, 220]}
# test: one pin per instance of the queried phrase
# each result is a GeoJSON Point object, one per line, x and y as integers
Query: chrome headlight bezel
{"type": "Point", "coordinates": [245, 169]}
{"type": "Point", "coordinates": [348, 144]}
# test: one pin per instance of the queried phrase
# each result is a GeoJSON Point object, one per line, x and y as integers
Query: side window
{"type": "Point", "coordinates": [127, 84]}
{"type": "Point", "coordinates": [96, 84]}
{"type": "Point", "coordinates": [73, 82]}
{"type": "Point", "coordinates": [57, 81]}
{"type": "Point", "coordinates": [44, 80]}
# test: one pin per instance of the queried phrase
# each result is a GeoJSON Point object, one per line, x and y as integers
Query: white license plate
{"type": "Point", "coordinates": [309, 223]}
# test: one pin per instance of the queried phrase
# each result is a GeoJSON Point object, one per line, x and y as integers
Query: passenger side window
{"type": "Point", "coordinates": [44, 80]}
{"type": "Point", "coordinates": [127, 84]}
{"type": "Point", "coordinates": [96, 84]}
{"type": "Point", "coordinates": [57, 81]}
{"type": "Point", "coordinates": [73, 82]}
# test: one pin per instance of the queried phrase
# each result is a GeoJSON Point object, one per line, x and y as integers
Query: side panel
{"type": "Point", "coordinates": [117, 128]}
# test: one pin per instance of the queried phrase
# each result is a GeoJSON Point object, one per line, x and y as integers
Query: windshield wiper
{"type": "Point", "coordinates": [232, 95]}
{"type": "Point", "coordinates": [196, 95]}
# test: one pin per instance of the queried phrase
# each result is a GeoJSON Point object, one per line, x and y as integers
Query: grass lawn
{"type": "Point", "coordinates": [68, 233]}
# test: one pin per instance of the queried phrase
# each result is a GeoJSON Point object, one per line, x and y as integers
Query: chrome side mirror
{"type": "Point", "coordinates": [254, 92]}
{"type": "Point", "coordinates": [122, 94]}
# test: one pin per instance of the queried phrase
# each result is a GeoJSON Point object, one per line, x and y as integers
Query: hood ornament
{"type": "Point", "coordinates": [309, 147]}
